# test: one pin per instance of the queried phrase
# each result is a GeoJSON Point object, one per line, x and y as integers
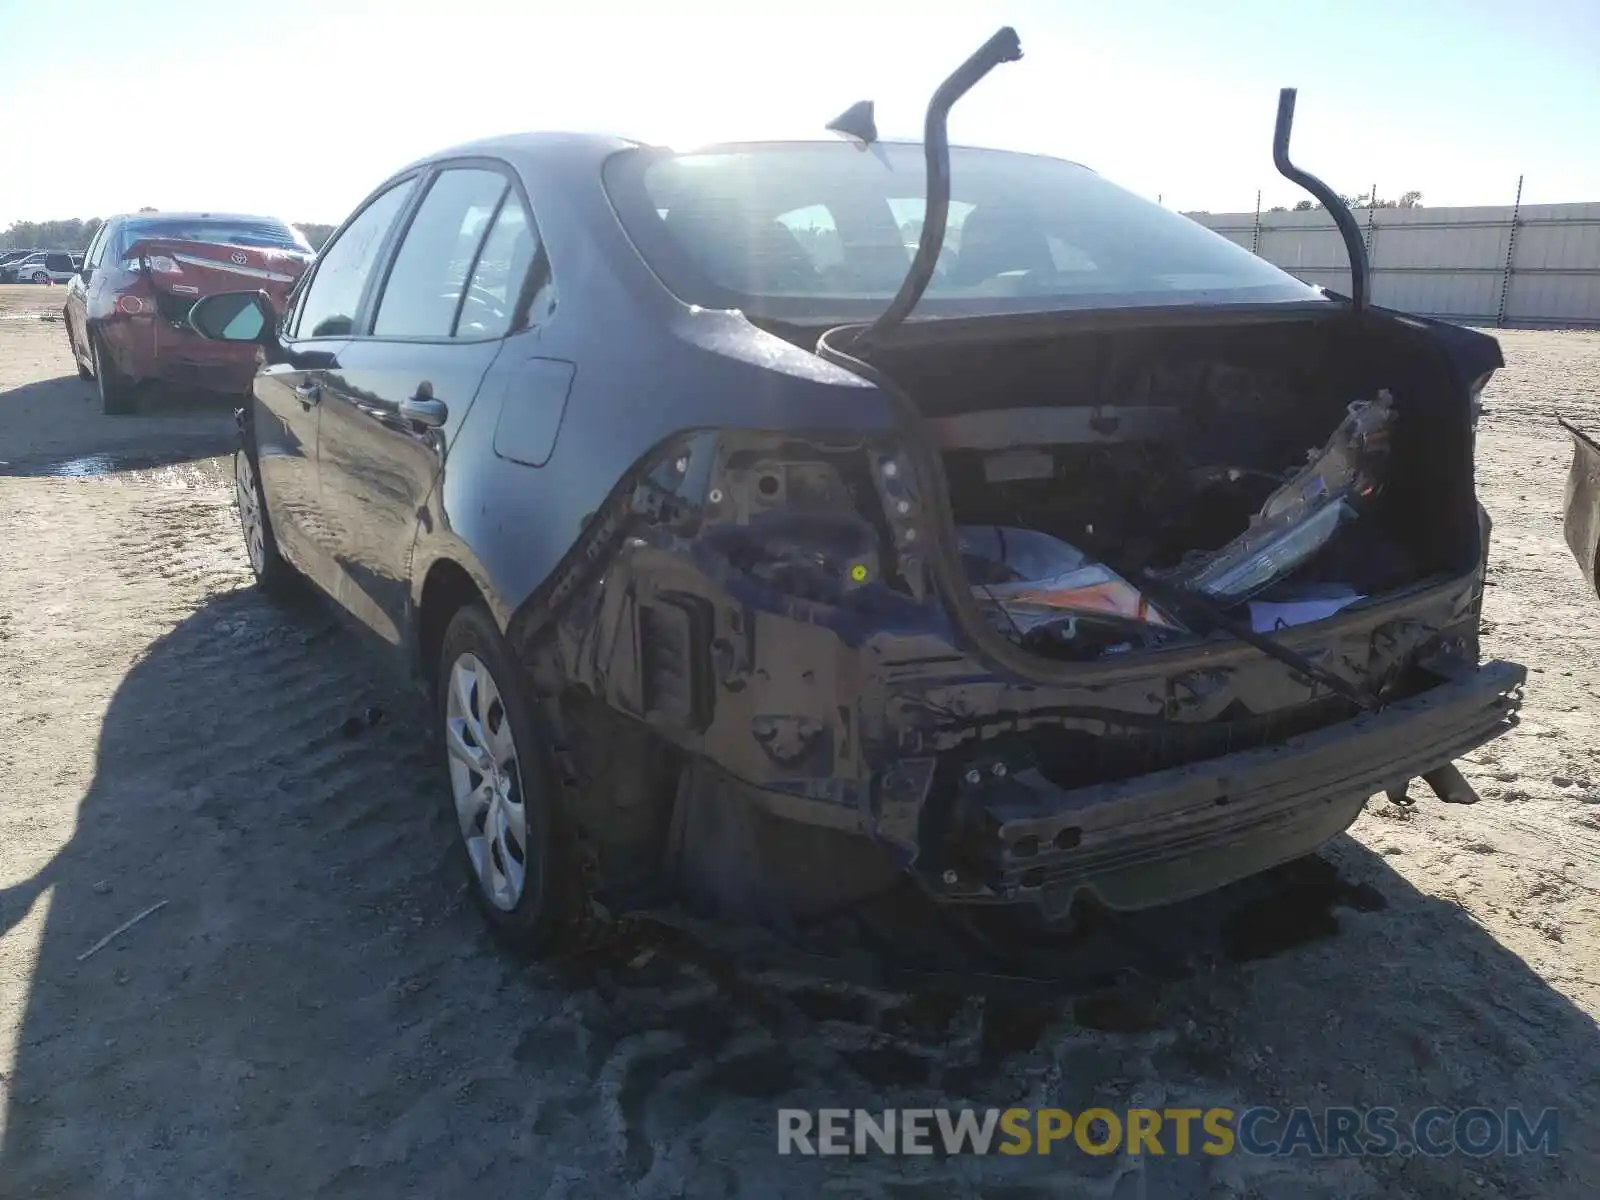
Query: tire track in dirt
{"type": "Point", "coordinates": [656, 1051]}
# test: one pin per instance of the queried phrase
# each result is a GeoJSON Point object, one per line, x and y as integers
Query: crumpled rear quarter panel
{"type": "Point", "coordinates": [845, 718]}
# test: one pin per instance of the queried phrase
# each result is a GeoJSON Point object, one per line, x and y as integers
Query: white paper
{"type": "Point", "coordinates": [1267, 616]}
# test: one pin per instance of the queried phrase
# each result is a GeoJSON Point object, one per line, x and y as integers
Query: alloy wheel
{"type": "Point", "coordinates": [486, 781]}
{"type": "Point", "coordinates": [250, 520]}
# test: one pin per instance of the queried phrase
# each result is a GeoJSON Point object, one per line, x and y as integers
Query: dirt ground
{"type": "Point", "coordinates": [316, 1009]}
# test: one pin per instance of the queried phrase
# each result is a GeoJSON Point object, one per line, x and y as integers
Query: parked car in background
{"type": "Point", "coordinates": [10, 257]}
{"type": "Point", "coordinates": [7, 257]}
{"type": "Point", "coordinates": [41, 266]}
{"type": "Point", "coordinates": [127, 307]}
{"type": "Point", "coordinates": [734, 587]}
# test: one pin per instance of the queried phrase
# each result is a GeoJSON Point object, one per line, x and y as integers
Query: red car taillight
{"type": "Point", "coordinates": [157, 264]}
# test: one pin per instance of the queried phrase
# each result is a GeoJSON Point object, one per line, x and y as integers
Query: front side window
{"type": "Point", "coordinates": [424, 288]}
{"type": "Point", "coordinates": [328, 307]}
{"type": "Point", "coordinates": [821, 230]}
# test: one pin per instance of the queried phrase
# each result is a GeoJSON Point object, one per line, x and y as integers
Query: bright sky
{"type": "Point", "coordinates": [298, 108]}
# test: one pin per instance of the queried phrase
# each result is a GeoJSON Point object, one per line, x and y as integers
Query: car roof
{"type": "Point", "coordinates": [779, 143]}
{"type": "Point", "coordinates": [535, 145]}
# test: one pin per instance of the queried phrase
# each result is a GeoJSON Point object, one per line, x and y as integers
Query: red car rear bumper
{"type": "Point", "coordinates": [149, 349]}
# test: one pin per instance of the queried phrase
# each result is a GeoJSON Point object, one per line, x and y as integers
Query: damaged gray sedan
{"type": "Point", "coordinates": [763, 568]}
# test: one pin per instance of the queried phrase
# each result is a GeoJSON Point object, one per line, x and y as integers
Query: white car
{"type": "Point", "coordinates": [43, 266]}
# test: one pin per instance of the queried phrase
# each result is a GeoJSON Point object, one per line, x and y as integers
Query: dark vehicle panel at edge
{"type": "Point", "coordinates": [697, 531]}
{"type": "Point", "coordinates": [1581, 519]}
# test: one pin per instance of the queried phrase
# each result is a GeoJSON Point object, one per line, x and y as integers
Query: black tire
{"type": "Point", "coordinates": [550, 896]}
{"type": "Point", "coordinates": [40, 277]}
{"type": "Point", "coordinates": [83, 372]}
{"type": "Point", "coordinates": [273, 572]}
{"type": "Point", "coordinates": [116, 393]}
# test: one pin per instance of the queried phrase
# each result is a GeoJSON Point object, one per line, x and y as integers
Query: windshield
{"type": "Point", "coordinates": [262, 232]}
{"type": "Point", "coordinates": [807, 230]}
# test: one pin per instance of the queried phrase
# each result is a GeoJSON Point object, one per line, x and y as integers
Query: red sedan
{"type": "Point", "coordinates": [127, 309]}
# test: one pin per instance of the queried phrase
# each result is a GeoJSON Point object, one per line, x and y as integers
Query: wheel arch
{"type": "Point", "coordinates": [447, 587]}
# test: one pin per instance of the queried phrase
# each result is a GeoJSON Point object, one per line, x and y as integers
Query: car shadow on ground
{"type": "Point", "coordinates": [169, 427]}
{"type": "Point", "coordinates": [315, 1008]}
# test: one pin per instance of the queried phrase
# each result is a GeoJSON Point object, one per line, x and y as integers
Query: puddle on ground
{"type": "Point", "coordinates": [83, 468]}
{"type": "Point", "coordinates": [164, 470]}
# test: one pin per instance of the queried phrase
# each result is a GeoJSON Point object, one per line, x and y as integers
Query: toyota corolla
{"type": "Point", "coordinates": [760, 566]}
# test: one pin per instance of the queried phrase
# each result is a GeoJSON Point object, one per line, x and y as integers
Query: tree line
{"type": "Point", "coordinates": [1411, 199]}
{"type": "Point", "coordinates": [73, 234]}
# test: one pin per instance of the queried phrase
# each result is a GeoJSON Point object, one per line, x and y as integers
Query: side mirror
{"type": "Point", "coordinates": [235, 317]}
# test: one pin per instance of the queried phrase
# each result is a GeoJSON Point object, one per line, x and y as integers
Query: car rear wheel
{"type": "Point", "coordinates": [272, 571]}
{"type": "Point", "coordinates": [40, 277]}
{"type": "Point", "coordinates": [502, 788]}
{"type": "Point", "coordinates": [116, 393]}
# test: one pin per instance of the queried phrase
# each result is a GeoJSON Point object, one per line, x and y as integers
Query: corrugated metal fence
{"type": "Point", "coordinates": [1531, 264]}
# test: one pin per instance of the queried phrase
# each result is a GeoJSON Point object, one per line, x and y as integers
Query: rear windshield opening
{"type": "Point", "coordinates": [804, 229]}
{"type": "Point", "coordinates": [263, 233]}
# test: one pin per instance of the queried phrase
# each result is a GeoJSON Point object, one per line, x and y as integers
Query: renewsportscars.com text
{"type": "Point", "coordinates": [1261, 1131]}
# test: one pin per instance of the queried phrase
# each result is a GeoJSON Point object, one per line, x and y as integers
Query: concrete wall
{"type": "Point", "coordinates": [1465, 264]}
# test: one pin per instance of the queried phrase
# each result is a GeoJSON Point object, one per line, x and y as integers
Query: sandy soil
{"type": "Point", "coordinates": [316, 1009]}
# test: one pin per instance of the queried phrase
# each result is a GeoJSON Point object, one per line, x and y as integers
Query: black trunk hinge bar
{"type": "Point", "coordinates": [1003, 47]}
{"type": "Point", "coordinates": [1354, 245]}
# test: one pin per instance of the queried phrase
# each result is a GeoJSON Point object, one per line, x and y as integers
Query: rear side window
{"type": "Point", "coordinates": [425, 284]}
{"type": "Point", "coordinates": [97, 248]}
{"type": "Point", "coordinates": [328, 308]}
{"type": "Point", "coordinates": [509, 254]}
